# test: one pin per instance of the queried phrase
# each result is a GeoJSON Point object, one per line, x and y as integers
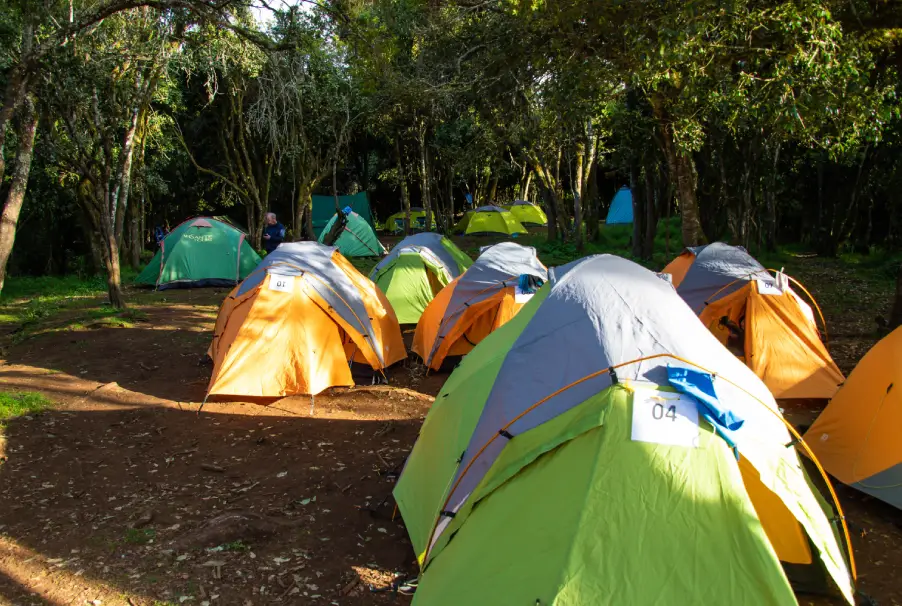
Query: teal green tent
{"type": "Point", "coordinates": [324, 208]}
{"type": "Point", "coordinates": [353, 236]}
{"type": "Point", "coordinates": [200, 252]}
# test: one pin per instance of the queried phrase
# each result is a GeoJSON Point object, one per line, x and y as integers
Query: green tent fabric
{"type": "Point", "coordinates": [200, 252]}
{"type": "Point", "coordinates": [356, 239]}
{"type": "Point", "coordinates": [415, 270]}
{"type": "Point", "coordinates": [530, 483]}
{"type": "Point", "coordinates": [324, 208]}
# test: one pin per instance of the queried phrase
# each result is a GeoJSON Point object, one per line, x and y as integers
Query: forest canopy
{"type": "Point", "coordinates": [756, 122]}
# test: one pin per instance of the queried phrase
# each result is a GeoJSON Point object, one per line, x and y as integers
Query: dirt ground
{"type": "Point", "coordinates": [123, 494]}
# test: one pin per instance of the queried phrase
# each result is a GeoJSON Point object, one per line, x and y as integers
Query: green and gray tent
{"type": "Point", "coordinates": [351, 235]}
{"type": "Point", "coordinates": [602, 447]}
{"type": "Point", "coordinates": [200, 252]}
{"type": "Point", "coordinates": [415, 270]}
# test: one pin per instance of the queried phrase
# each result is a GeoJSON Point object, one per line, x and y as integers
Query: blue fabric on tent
{"type": "Point", "coordinates": [347, 210]}
{"type": "Point", "coordinates": [621, 211]}
{"type": "Point", "coordinates": [700, 385]}
{"type": "Point", "coordinates": [528, 283]}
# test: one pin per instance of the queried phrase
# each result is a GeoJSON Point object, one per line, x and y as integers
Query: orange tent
{"type": "Point", "coordinates": [679, 266]}
{"type": "Point", "coordinates": [296, 323]}
{"type": "Point", "coordinates": [856, 438]}
{"type": "Point", "coordinates": [780, 341]}
{"type": "Point", "coordinates": [758, 317]}
{"type": "Point", "coordinates": [476, 303]}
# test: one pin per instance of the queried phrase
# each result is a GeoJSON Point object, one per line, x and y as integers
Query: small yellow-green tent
{"type": "Point", "coordinates": [528, 214]}
{"type": "Point", "coordinates": [395, 223]}
{"type": "Point", "coordinates": [491, 220]}
{"type": "Point", "coordinates": [415, 270]}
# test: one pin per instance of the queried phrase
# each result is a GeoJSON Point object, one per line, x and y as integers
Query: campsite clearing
{"type": "Point", "coordinates": [119, 492]}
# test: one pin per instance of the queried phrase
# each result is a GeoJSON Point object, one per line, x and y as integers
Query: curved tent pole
{"type": "Point", "coordinates": [797, 440]}
{"type": "Point", "coordinates": [746, 278]}
{"type": "Point", "coordinates": [448, 316]}
{"type": "Point", "coordinates": [351, 309]}
{"type": "Point", "coordinates": [813, 302]}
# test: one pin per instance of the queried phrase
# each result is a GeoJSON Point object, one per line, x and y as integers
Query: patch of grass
{"type": "Point", "coordinates": [236, 546]}
{"type": "Point", "coordinates": [52, 287]}
{"type": "Point", "coordinates": [16, 404]}
{"type": "Point", "coordinates": [140, 536]}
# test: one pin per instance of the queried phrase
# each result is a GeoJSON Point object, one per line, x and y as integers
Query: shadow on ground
{"type": "Point", "coordinates": [134, 504]}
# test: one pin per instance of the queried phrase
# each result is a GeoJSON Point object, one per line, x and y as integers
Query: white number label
{"type": "Point", "coordinates": [662, 417]}
{"type": "Point", "coordinates": [281, 283]}
{"type": "Point", "coordinates": [769, 288]}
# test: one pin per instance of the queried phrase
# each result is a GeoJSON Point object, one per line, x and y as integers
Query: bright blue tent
{"type": "Point", "coordinates": [621, 211]}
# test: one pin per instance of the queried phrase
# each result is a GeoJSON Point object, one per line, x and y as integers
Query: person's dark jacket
{"type": "Point", "coordinates": [276, 234]}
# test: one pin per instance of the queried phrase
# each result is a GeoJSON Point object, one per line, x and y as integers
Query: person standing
{"type": "Point", "coordinates": [273, 233]}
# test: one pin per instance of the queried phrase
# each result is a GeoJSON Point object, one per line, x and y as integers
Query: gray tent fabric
{"type": "Point", "coordinates": [428, 241]}
{"type": "Point", "coordinates": [718, 270]}
{"type": "Point", "coordinates": [329, 282]}
{"type": "Point", "coordinates": [523, 203]}
{"type": "Point", "coordinates": [497, 267]}
{"type": "Point", "coordinates": [598, 312]}
{"type": "Point", "coordinates": [491, 208]}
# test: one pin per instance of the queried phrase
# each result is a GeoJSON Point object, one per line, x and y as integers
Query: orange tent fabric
{"type": "Point", "coordinates": [476, 303]}
{"type": "Point", "coordinates": [296, 323]}
{"type": "Point", "coordinates": [470, 326]}
{"type": "Point", "coordinates": [856, 438]}
{"type": "Point", "coordinates": [679, 266]}
{"type": "Point", "coordinates": [781, 343]}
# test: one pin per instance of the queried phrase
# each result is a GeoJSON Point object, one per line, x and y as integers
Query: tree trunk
{"type": "Point", "coordinates": [525, 192]}
{"type": "Point", "coordinates": [577, 196]}
{"type": "Point", "coordinates": [591, 205]}
{"type": "Point", "coordinates": [493, 190]}
{"type": "Point", "coordinates": [895, 315]}
{"type": "Point", "coordinates": [16, 91]}
{"type": "Point", "coordinates": [450, 198]}
{"type": "Point", "coordinates": [770, 239]}
{"type": "Point", "coordinates": [651, 215]}
{"type": "Point", "coordinates": [680, 169]}
{"type": "Point", "coordinates": [549, 185]}
{"type": "Point", "coordinates": [552, 215]}
{"type": "Point", "coordinates": [402, 178]}
{"type": "Point", "coordinates": [304, 206]}
{"type": "Point", "coordinates": [820, 197]}
{"type": "Point", "coordinates": [335, 187]}
{"type": "Point", "coordinates": [114, 276]}
{"type": "Point", "coordinates": [18, 185]}
{"type": "Point", "coordinates": [685, 185]}
{"type": "Point", "coordinates": [636, 189]}
{"type": "Point", "coordinates": [424, 175]}
{"type": "Point", "coordinates": [134, 237]}
{"type": "Point", "coordinates": [308, 219]}
{"type": "Point", "coordinates": [109, 244]}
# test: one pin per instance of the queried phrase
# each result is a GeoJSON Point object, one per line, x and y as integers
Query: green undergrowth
{"type": "Point", "coordinates": [28, 303]}
{"type": "Point", "coordinates": [16, 404]}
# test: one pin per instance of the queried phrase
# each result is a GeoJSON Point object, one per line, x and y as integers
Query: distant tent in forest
{"type": "Point", "coordinates": [324, 208]}
{"type": "Point", "coordinates": [528, 214]}
{"type": "Point", "coordinates": [202, 251]}
{"type": "Point", "coordinates": [621, 211]}
{"type": "Point", "coordinates": [395, 222]}
{"type": "Point", "coordinates": [352, 235]}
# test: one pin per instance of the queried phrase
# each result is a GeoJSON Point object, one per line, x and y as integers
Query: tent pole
{"type": "Point", "coordinates": [312, 404]}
